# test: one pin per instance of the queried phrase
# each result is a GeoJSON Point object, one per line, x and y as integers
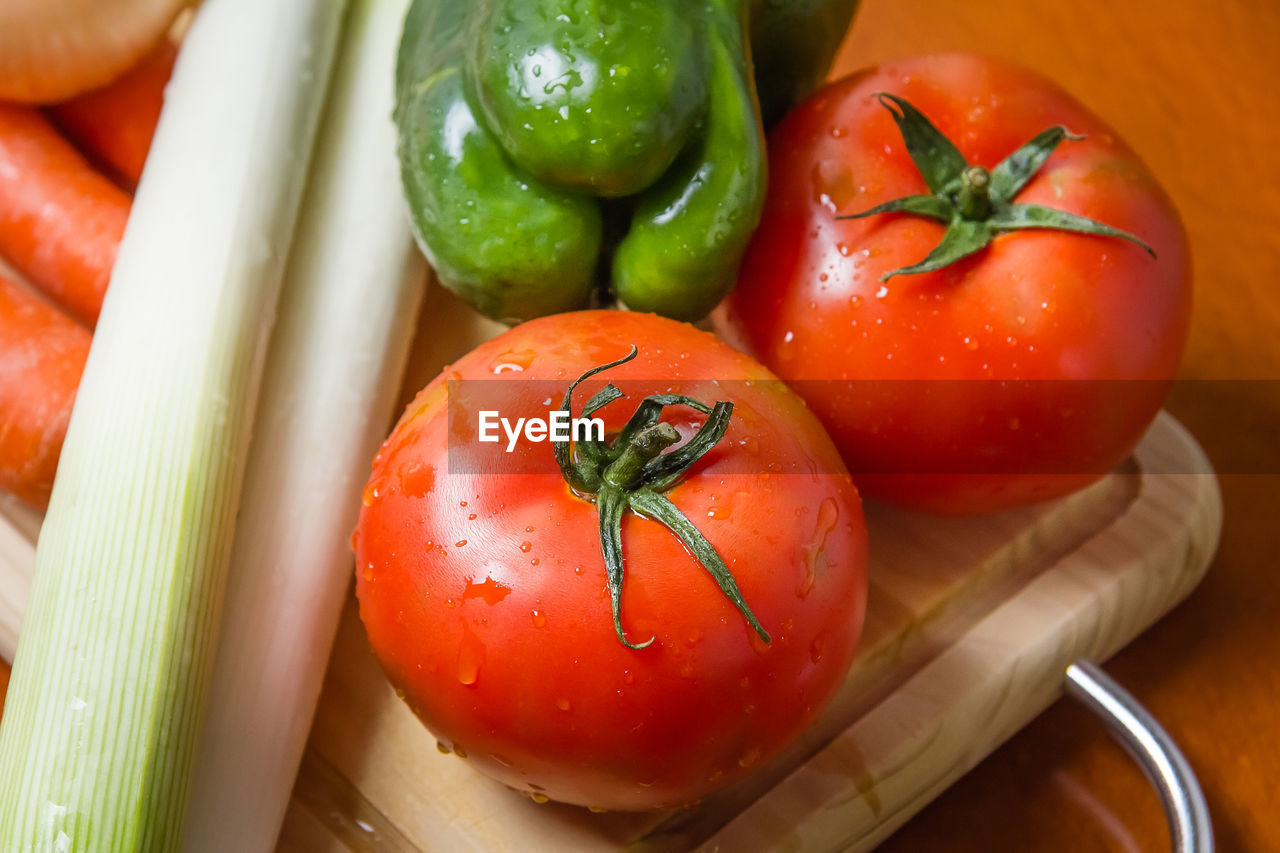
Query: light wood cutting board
{"type": "Point", "coordinates": [970, 626]}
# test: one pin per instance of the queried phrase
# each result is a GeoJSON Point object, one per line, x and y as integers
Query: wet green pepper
{"type": "Point", "coordinates": [553, 149]}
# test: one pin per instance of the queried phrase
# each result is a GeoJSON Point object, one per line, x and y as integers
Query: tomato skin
{"type": "Point", "coordinates": [1039, 306]}
{"type": "Point", "coordinates": [485, 599]}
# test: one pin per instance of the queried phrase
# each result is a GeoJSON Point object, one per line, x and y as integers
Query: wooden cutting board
{"type": "Point", "coordinates": [970, 625]}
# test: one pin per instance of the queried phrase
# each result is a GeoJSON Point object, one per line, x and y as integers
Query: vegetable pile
{"type": "Point", "coordinates": [957, 290]}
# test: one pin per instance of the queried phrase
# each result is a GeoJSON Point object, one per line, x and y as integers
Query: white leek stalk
{"type": "Point", "coordinates": [99, 730]}
{"type": "Point", "coordinates": [351, 293]}
{"type": "Point", "coordinates": [17, 565]}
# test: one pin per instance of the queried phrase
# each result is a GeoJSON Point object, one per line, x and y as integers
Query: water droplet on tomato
{"type": "Point", "coordinates": [833, 184]}
{"type": "Point", "coordinates": [459, 751]}
{"type": "Point", "coordinates": [417, 479]}
{"type": "Point", "coordinates": [750, 757]}
{"type": "Point", "coordinates": [514, 361]}
{"type": "Point", "coordinates": [828, 515]}
{"type": "Point", "coordinates": [526, 547]}
{"type": "Point", "coordinates": [470, 658]}
{"type": "Point", "coordinates": [538, 798]}
{"type": "Point", "coordinates": [596, 810]}
{"type": "Point", "coordinates": [471, 516]}
{"type": "Point", "coordinates": [628, 677]}
{"type": "Point", "coordinates": [460, 543]}
{"type": "Point", "coordinates": [443, 747]}
{"type": "Point", "coordinates": [489, 590]}
{"type": "Point", "coordinates": [719, 513]}
{"type": "Point", "coordinates": [563, 704]}
{"type": "Point", "coordinates": [539, 618]}
{"type": "Point", "coordinates": [355, 539]}
{"type": "Point", "coordinates": [815, 648]}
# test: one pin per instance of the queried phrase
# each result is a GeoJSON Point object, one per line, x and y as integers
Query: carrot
{"type": "Point", "coordinates": [60, 220]}
{"type": "Point", "coordinates": [114, 124]}
{"type": "Point", "coordinates": [42, 354]}
{"type": "Point", "coordinates": [51, 50]}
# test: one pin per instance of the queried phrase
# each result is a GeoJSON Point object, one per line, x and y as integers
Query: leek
{"type": "Point", "coordinates": [17, 564]}
{"type": "Point", "coordinates": [99, 730]}
{"type": "Point", "coordinates": [347, 315]}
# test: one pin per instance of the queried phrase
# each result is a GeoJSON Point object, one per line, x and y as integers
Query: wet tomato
{"type": "Point", "coordinates": [1021, 359]}
{"type": "Point", "coordinates": [485, 587]}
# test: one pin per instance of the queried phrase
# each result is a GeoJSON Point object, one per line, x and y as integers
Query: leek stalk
{"type": "Point", "coordinates": [100, 726]}
{"type": "Point", "coordinates": [347, 313]}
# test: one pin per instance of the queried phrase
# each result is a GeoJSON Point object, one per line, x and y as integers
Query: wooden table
{"type": "Point", "coordinates": [1195, 88]}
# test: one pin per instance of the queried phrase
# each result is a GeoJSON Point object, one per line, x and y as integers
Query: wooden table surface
{"type": "Point", "coordinates": [1194, 87]}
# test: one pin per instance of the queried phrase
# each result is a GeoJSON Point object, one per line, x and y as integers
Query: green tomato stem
{"type": "Point", "coordinates": [632, 473]}
{"type": "Point", "coordinates": [974, 198]}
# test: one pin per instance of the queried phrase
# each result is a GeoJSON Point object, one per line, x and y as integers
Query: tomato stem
{"type": "Point", "coordinates": [976, 204]}
{"type": "Point", "coordinates": [973, 200]}
{"type": "Point", "coordinates": [627, 470]}
{"type": "Point", "coordinates": [632, 473]}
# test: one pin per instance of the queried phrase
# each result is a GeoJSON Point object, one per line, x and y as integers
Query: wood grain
{"type": "Point", "coordinates": [1192, 86]}
{"type": "Point", "coordinates": [1003, 671]}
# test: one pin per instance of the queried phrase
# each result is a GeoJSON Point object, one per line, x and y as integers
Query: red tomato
{"type": "Point", "coordinates": [483, 588]}
{"type": "Point", "coordinates": [1074, 337]}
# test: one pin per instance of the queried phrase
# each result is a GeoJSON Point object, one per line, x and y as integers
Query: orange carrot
{"type": "Point", "coordinates": [42, 354]}
{"type": "Point", "coordinates": [60, 220]}
{"type": "Point", "coordinates": [114, 124]}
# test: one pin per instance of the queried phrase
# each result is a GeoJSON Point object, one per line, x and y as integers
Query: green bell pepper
{"type": "Point", "coordinates": [550, 149]}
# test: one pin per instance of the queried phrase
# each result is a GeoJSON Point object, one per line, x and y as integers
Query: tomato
{"type": "Point", "coordinates": [1014, 374]}
{"type": "Point", "coordinates": [483, 587]}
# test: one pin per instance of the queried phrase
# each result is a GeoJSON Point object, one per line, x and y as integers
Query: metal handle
{"type": "Point", "coordinates": [1190, 829]}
